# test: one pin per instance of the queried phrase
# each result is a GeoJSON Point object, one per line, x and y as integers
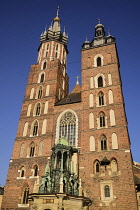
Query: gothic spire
{"type": "Point", "coordinates": [54, 31]}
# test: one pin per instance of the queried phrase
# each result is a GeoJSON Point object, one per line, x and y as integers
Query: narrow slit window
{"type": "Point", "coordinates": [45, 65]}
{"type": "Point", "coordinates": [98, 61]}
{"type": "Point", "coordinates": [42, 78]}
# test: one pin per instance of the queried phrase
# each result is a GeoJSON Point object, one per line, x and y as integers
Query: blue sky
{"type": "Point", "coordinates": [22, 22]}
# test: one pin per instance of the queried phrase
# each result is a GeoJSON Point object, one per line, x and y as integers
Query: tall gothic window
{"type": "Point", "coordinates": [103, 143]}
{"type": "Point", "coordinates": [101, 99]}
{"type": "Point", "coordinates": [68, 127]}
{"type": "Point", "coordinates": [97, 167]}
{"type": "Point", "coordinates": [37, 109]}
{"type": "Point", "coordinates": [40, 92]}
{"type": "Point", "coordinates": [102, 119]}
{"type": "Point", "coordinates": [35, 128]}
{"type": "Point", "coordinates": [41, 146]}
{"type": "Point", "coordinates": [32, 149]}
{"type": "Point", "coordinates": [100, 81]}
{"type": "Point", "coordinates": [22, 150]}
{"type": "Point", "coordinates": [107, 191]}
{"type": "Point", "coordinates": [25, 195]}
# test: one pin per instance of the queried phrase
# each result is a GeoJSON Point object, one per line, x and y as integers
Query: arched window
{"type": "Point", "coordinates": [42, 78]}
{"type": "Point", "coordinates": [102, 119]}
{"type": "Point", "coordinates": [106, 191]}
{"type": "Point", "coordinates": [44, 65]}
{"type": "Point", "coordinates": [114, 167]}
{"type": "Point", "coordinates": [91, 100]}
{"type": "Point", "coordinates": [41, 145]}
{"type": "Point", "coordinates": [100, 81]}
{"type": "Point", "coordinates": [92, 143]}
{"type": "Point", "coordinates": [91, 120]}
{"type": "Point", "coordinates": [22, 150]}
{"type": "Point", "coordinates": [46, 107]}
{"type": "Point", "coordinates": [25, 129]}
{"type": "Point", "coordinates": [112, 118]}
{"type": "Point", "coordinates": [109, 79]}
{"type": "Point", "coordinates": [40, 92]}
{"type": "Point", "coordinates": [35, 128]}
{"type": "Point", "coordinates": [32, 93]}
{"type": "Point", "coordinates": [103, 143]}
{"type": "Point", "coordinates": [35, 170]}
{"type": "Point", "coordinates": [47, 90]}
{"type": "Point", "coordinates": [110, 95]}
{"type": "Point", "coordinates": [97, 167]}
{"type": "Point", "coordinates": [29, 110]}
{"type": "Point", "coordinates": [98, 61]}
{"type": "Point", "coordinates": [32, 149]}
{"type": "Point", "coordinates": [25, 195]}
{"type": "Point", "coordinates": [44, 124]}
{"type": "Point", "coordinates": [37, 109]}
{"type": "Point", "coordinates": [101, 99]}
{"type": "Point", "coordinates": [114, 141]}
{"type": "Point", "coordinates": [91, 82]}
{"type": "Point", "coordinates": [67, 127]}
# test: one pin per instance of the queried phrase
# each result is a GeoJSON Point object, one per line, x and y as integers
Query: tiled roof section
{"type": "Point", "coordinates": [70, 99]}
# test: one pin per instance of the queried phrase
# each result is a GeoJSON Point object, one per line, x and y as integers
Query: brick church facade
{"type": "Point", "coordinates": [72, 150]}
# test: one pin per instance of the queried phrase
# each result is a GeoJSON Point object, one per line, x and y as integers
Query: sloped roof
{"type": "Point", "coordinates": [70, 99]}
{"type": "Point", "coordinates": [73, 97]}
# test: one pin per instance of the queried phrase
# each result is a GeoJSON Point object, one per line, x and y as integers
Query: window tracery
{"type": "Point", "coordinates": [101, 99]}
{"type": "Point", "coordinates": [67, 127]}
{"type": "Point", "coordinates": [103, 143]}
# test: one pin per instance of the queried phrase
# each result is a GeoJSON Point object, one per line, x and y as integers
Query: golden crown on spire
{"type": "Point", "coordinates": [57, 15]}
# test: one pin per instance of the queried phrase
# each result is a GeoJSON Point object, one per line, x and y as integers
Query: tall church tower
{"type": "Point", "coordinates": [105, 165]}
{"type": "Point", "coordinates": [72, 150]}
{"type": "Point", "coordinates": [47, 84]}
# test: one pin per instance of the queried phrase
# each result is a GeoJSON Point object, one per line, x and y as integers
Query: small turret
{"type": "Point", "coordinates": [99, 30]}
